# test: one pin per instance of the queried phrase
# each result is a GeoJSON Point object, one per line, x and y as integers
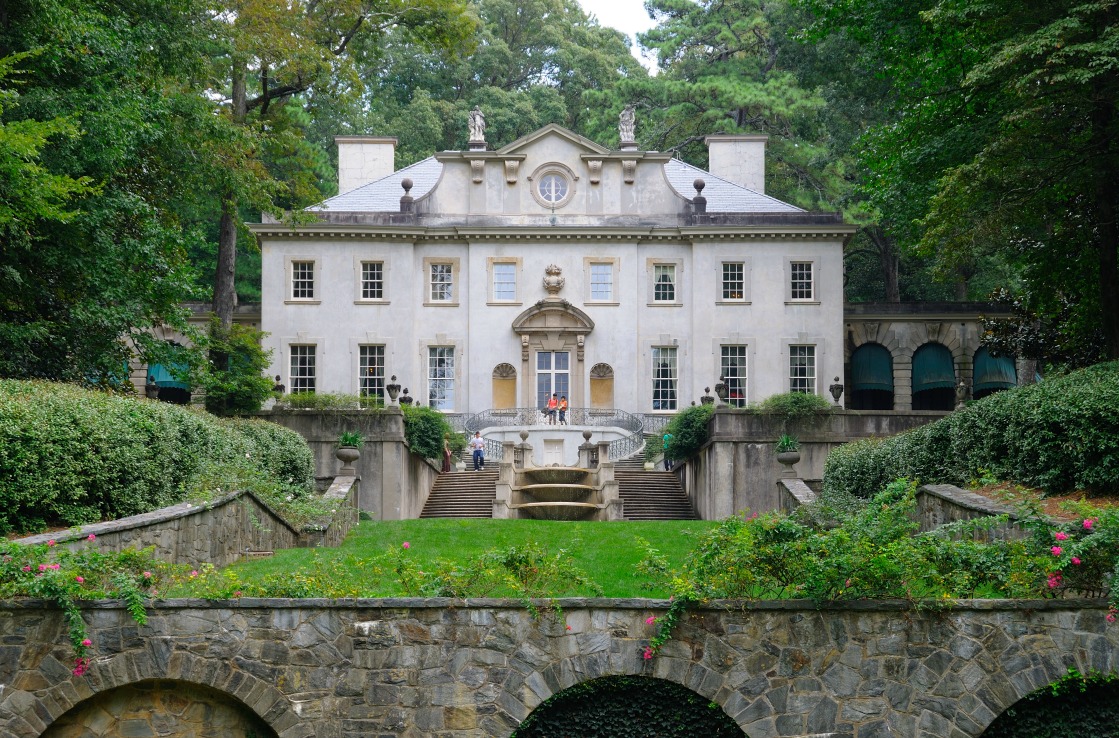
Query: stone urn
{"type": "Point", "coordinates": [347, 455]}
{"type": "Point", "coordinates": [787, 459]}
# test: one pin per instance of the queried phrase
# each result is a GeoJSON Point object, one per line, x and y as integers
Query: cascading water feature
{"type": "Point", "coordinates": [557, 493]}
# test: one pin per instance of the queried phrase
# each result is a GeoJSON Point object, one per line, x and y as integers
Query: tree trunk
{"type": "Point", "coordinates": [1103, 120]}
{"type": "Point", "coordinates": [225, 289]}
{"type": "Point", "coordinates": [887, 259]}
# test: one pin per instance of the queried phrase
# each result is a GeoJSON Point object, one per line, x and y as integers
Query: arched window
{"type": "Point", "coordinates": [934, 378]}
{"type": "Point", "coordinates": [872, 378]}
{"type": "Point", "coordinates": [992, 373]}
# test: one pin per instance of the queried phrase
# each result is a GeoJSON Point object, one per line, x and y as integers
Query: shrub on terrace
{"type": "Point", "coordinates": [1058, 435]}
{"type": "Point", "coordinates": [689, 431]}
{"type": "Point", "coordinates": [71, 456]}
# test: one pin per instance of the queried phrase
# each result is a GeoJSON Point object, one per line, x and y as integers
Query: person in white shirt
{"type": "Point", "coordinates": [479, 448]}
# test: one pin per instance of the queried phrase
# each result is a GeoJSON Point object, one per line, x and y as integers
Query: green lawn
{"type": "Point", "coordinates": [364, 565]}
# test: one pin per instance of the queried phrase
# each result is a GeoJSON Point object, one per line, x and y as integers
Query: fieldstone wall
{"type": "Point", "coordinates": [218, 532]}
{"type": "Point", "coordinates": [938, 504]}
{"type": "Point", "coordinates": [454, 669]}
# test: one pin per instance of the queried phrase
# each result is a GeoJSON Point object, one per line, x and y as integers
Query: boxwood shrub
{"type": "Point", "coordinates": [71, 456]}
{"type": "Point", "coordinates": [1058, 435]}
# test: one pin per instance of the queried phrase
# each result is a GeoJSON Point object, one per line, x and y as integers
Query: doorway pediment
{"type": "Point", "coordinates": [553, 317]}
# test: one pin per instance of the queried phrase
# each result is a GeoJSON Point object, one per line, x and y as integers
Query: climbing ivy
{"type": "Point", "coordinates": [628, 707]}
{"type": "Point", "coordinates": [1075, 705]}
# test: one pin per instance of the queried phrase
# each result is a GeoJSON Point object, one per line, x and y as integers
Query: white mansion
{"type": "Point", "coordinates": [492, 279]}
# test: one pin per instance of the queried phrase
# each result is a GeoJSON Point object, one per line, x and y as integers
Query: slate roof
{"type": "Point", "coordinates": [722, 196]}
{"type": "Point", "coordinates": [383, 195]}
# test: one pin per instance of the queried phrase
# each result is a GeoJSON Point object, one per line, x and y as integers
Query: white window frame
{"type": "Point", "coordinates": [665, 399]}
{"type": "Point", "coordinates": [366, 285]}
{"type": "Point", "coordinates": [493, 265]}
{"type": "Point", "coordinates": [802, 290]}
{"type": "Point", "coordinates": [802, 368]}
{"type": "Point", "coordinates": [434, 354]}
{"type": "Point", "coordinates": [653, 265]}
{"type": "Point", "coordinates": [453, 280]}
{"type": "Point", "coordinates": [371, 383]}
{"type": "Point", "coordinates": [300, 380]}
{"type": "Point", "coordinates": [742, 353]}
{"type": "Point", "coordinates": [291, 265]}
{"type": "Point", "coordinates": [541, 175]}
{"type": "Point", "coordinates": [726, 285]}
{"type": "Point", "coordinates": [611, 264]}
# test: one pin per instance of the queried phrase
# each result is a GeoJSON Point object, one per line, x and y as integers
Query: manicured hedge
{"type": "Point", "coordinates": [71, 456]}
{"type": "Point", "coordinates": [1059, 435]}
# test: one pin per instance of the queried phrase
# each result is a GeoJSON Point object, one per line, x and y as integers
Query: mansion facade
{"type": "Point", "coordinates": [494, 278]}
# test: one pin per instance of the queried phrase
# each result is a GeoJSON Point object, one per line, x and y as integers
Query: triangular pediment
{"type": "Point", "coordinates": [558, 131]}
{"type": "Point", "coordinates": [553, 316]}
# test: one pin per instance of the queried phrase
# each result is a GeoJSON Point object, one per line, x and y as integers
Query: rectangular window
{"type": "Point", "coordinates": [732, 368]}
{"type": "Point", "coordinates": [303, 280]}
{"type": "Point", "coordinates": [372, 280]}
{"type": "Point", "coordinates": [371, 371]}
{"type": "Point", "coordinates": [602, 282]}
{"type": "Point", "coordinates": [801, 280]}
{"type": "Point", "coordinates": [664, 283]}
{"type": "Point", "coordinates": [664, 378]}
{"type": "Point", "coordinates": [442, 286]}
{"type": "Point", "coordinates": [504, 281]}
{"type": "Point", "coordinates": [441, 377]}
{"type": "Point", "coordinates": [802, 369]}
{"type": "Point", "coordinates": [734, 281]}
{"type": "Point", "coordinates": [303, 368]}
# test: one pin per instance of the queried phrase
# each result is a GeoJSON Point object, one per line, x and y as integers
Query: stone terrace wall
{"type": "Point", "coordinates": [737, 470]}
{"type": "Point", "coordinates": [218, 533]}
{"type": "Point", "coordinates": [454, 669]}
{"type": "Point", "coordinates": [394, 481]}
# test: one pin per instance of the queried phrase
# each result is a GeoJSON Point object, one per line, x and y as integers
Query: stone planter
{"type": "Point", "coordinates": [787, 459]}
{"type": "Point", "coordinates": [347, 455]}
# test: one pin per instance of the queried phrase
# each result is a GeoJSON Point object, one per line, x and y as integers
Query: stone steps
{"type": "Point", "coordinates": [652, 495]}
{"type": "Point", "coordinates": [467, 494]}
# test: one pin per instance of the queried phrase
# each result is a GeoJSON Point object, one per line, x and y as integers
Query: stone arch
{"type": "Point", "coordinates": [602, 387]}
{"type": "Point", "coordinates": [871, 378]}
{"type": "Point", "coordinates": [935, 372]}
{"type": "Point", "coordinates": [613, 703]}
{"type": "Point", "coordinates": [160, 707]}
{"type": "Point", "coordinates": [504, 386]}
{"type": "Point", "coordinates": [32, 713]}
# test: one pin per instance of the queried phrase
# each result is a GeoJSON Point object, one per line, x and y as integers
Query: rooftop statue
{"type": "Point", "coordinates": [626, 126]}
{"type": "Point", "coordinates": [477, 125]}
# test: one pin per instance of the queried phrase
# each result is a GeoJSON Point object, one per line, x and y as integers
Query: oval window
{"type": "Point", "coordinates": [552, 188]}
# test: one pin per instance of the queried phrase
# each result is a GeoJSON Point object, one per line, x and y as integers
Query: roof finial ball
{"type": "Point", "coordinates": [406, 199]}
{"type": "Point", "coordinates": [699, 202]}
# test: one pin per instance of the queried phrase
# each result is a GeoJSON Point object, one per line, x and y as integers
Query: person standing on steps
{"type": "Point", "coordinates": [563, 410]}
{"type": "Point", "coordinates": [667, 461]}
{"type": "Point", "coordinates": [478, 446]}
{"type": "Point", "coordinates": [446, 454]}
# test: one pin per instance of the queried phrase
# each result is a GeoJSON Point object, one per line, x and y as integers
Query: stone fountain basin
{"type": "Point", "coordinates": [557, 510]}
{"type": "Point", "coordinates": [557, 492]}
{"type": "Point", "coordinates": [555, 475]}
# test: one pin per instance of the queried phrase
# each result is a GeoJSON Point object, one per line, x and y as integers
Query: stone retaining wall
{"type": "Point", "coordinates": [218, 532]}
{"type": "Point", "coordinates": [477, 668]}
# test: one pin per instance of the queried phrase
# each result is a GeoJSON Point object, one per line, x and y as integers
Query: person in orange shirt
{"type": "Point", "coordinates": [553, 403]}
{"type": "Point", "coordinates": [563, 410]}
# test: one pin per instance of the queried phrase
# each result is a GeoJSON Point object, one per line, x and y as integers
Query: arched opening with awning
{"type": "Point", "coordinates": [934, 378]}
{"type": "Point", "coordinates": [992, 373]}
{"type": "Point", "coordinates": [872, 378]}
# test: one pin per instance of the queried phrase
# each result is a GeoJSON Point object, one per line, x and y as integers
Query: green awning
{"type": "Point", "coordinates": [872, 368]}
{"type": "Point", "coordinates": [163, 376]}
{"type": "Point", "coordinates": [993, 372]}
{"type": "Point", "coordinates": [933, 368]}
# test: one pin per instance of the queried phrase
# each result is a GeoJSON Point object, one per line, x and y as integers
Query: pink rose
{"type": "Point", "coordinates": [91, 537]}
{"type": "Point", "coordinates": [79, 580]}
{"type": "Point", "coordinates": [1061, 536]}
{"type": "Point", "coordinates": [406, 545]}
{"type": "Point", "coordinates": [87, 643]}
{"type": "Point", "coordinates": [1056, 550]}
{"type": "Point", "coordinates": [42, 567]}
{"type": "Point", "coordinates": [50, 542]}
{"type": "Point", "coordinates": [194, 573]}
{"type": "Point", "coordinates": [650, 620]}
{"type": "Point", "coordinates": [27, 568]}
{"type": "Point", "coordinates": [1111, 617]}
{"type": "Point", "coordinates": [1076, 561]}
{"type": "Point", "coordinates": [1088, 524]}
{"type": "Point", "coordinates": [147, 575]}
{"type": "Point", "coordinates": [649, 652]}
{"type": "Point", "coordinates": [55, 566]}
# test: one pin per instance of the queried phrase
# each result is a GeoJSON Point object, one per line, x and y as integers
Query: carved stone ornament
{"type": "Point", "coordinates": [477, 124]}
{"type": "Point", "coordinates": [504, 371]}
{"type": "Point", "coordinates": [477, 166]}
{"type": "Point", "coordinates": [629, 170]}
{"type": "Point", "coordinates": [934, 330]}
{"type": "Point", "coordinates": [511, 167]}
{"type": "Point", "coordinates": [871, 331]}
{"type": "Point", "coordinates": [626, 126]}
{"type": "Point", "coordinates": [580, 343]}
{"type": "Point", "coordinates": [553, 282]}
{"type": "Point", "coordinates": [594, 170]}
{"type": "Point", "coordinates": [524, 348]}
{"type": "Point", "coordinates": [602, 371]}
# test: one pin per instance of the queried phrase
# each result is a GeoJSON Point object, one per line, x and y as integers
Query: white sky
{"type": "Point", "coordinates": [628, 16]}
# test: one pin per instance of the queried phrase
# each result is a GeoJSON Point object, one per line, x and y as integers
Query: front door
{"type": "Point", "coordinates": [553, 376]}
{"type": "Point", "coordinates": [553, 452]}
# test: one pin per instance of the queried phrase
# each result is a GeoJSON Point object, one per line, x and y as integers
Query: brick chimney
{"type": "Point", "coordinates": [363, 159]}
{"type": "Point", "coordinates": [738, 158]}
